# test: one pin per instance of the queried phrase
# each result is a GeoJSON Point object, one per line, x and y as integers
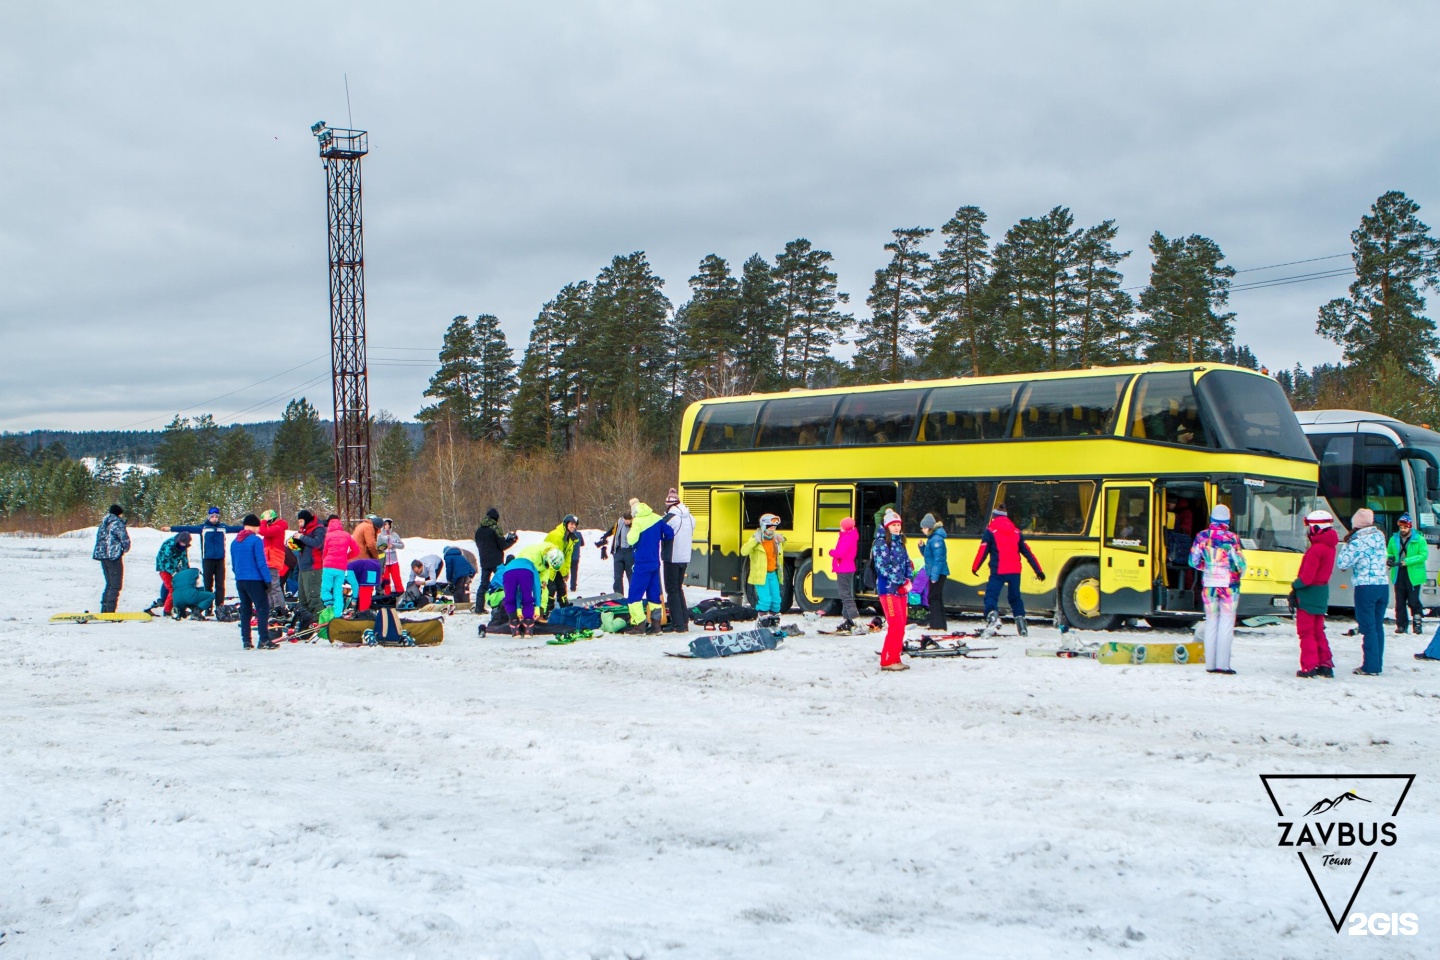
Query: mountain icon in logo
{"type": "Point", "coordinates": [1325, 806]}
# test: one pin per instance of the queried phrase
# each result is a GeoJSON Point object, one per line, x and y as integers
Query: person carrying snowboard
{"type": "Point", "coordinates": [112, 542]}
{"type": "Point", "coordinates": [893, 571]}
{"type": "Point", "coordinates": [937, 567]}
{"type": "Point", "coordinates": [842, 566]}
{"type": "Point", "coordinates": [1312, 596]}
{"type": "Point", "coordinates": [1217, 555]}
{"type": "Point", "coordinates": [1004, 545]}
{"type": "Point", "coordinates": [766, 553]}
{"type": "Point", "coordinates": [1406, 555]}
{"type": "Point", "coordinates": [646, 534]}
{"type": "Point", "coordinates": [212, 550]}
{"type": "Point", "coordinates": [251, 567]}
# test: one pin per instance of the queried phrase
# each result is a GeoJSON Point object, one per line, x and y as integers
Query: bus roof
{"type": "Point", "coordinates": [1315, 421]}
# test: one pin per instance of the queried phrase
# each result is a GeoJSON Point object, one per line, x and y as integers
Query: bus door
{"type": "Point", "coordinates": [1181, 511]}
{"type": "Point", "coordinates": [1127, 542]}
{"type": "Point", "coordinates": [870, 497]}
{"type": "Point", "coordinates": [832, 504]}
{"type": "Point", "coordinates": [725, 540]}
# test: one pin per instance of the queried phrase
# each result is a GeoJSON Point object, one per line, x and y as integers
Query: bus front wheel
{"type": "Point", "coordinates": [1080, 599]}
{"type": "Point", "coordinates": [805, 598]}
{"type": "Point", "coordinates": [787, 585]}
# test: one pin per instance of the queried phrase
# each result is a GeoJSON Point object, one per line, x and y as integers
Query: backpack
{"type": "Point", "coordinates": [229, 613]}
{"type": "Point", "coordinates": [388, 630]}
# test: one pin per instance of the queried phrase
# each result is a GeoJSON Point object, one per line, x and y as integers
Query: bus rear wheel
{"type": "Point", "coordinates": [805, 597]}
{"type": "Point", "coordinates": [1080, 599]}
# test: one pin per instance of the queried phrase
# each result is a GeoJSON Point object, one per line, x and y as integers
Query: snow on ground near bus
{"type": "Point", "coordinates": [166, 794]}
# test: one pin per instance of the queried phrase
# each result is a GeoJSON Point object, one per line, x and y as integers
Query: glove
{"type": "Point", "coordinates": [905, 587]}
{"type": "Point", "coordinates": [1391, 562]}
{"type": "Point", "coordinates": [604, 554]}
{"type": "Point", "coordinates": [1040, 577]}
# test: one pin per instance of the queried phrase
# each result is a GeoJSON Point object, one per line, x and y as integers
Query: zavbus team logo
{"type": "Point", "coordinates": [1338, 825]}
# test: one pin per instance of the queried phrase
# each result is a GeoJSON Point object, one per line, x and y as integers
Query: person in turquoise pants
{"type": "Point", "coordinates": [340, 548]}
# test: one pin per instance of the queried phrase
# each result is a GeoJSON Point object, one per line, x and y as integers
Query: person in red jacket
{"type": "Point", "coordinates": [272, 532]}
{"type": "Point", "coordinates": [1312, 596]}
{"type": "Point", "coordinates": [1004, 544]}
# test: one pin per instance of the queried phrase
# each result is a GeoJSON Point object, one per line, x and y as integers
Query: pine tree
{"type": "Point", "coordinates": [963, 340]}
{"type": "Point", "coordinates": [708, 333]}
{"type": "Point", "coordinates": [457, 385]}
{"type": "Point", "coordinates": [544, 410]}
{"type": "Point", "coordinates": [626, 345]}
{"type": "Point", "coordinates": [1100, 331]}
{"type": "Point", "coordinates": [393, 455]}
{"type": "Point", "coordinates": [1395, 258]}
{"type": "Point", "coordinates": [807, 297]}
{"type": "Point", "coordinates": [301, 450]}
{"type": "Point", "coordinates": [885, 349]}
{"type": "Point", "coordinates": [497, 379]}
{"type": "Point", "coordinates": [758, 318]}
{"type": "Point", "coordinates": [238, 456]}
{"type": "Point", "coordinates": [1188, 284]}
{"type": "Point", "coordinates": [187, 449]}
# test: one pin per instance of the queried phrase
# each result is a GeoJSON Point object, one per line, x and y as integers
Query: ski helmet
{"type": "Point", "coordinates": [571, 518]}
{"type": "Point", "coordinates": [769, 520]}
{"type": "Point", "coordinates": [554, 558]}
{"type": "Point", "coordinates": [1318, 520]}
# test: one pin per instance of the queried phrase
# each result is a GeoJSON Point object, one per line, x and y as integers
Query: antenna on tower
{"type": "Point", "coordinates": [349, 116]}
{"type": "Point", "coordinates": [341, 151]}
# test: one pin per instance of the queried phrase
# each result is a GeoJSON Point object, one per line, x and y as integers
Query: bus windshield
{"type": "Point", "coordinates": [1251, 413]}
{"type": "Point", "coordinates": [1427, 512]}
{"type": "Point", "coordinates": [1271, 516]}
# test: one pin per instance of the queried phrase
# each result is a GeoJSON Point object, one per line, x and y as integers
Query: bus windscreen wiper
{"type": "Point", "coordinates": [1275, 453]}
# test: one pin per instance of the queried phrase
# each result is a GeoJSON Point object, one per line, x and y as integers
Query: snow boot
{"type": "Point", "coordinates": [1417, 626]}
{"type": "Point", "coordinates": [1021, 627]}
{"type": "Point", "coordinates": [769, 621]}
{"type": "Point", "coordinates": [992, 625]}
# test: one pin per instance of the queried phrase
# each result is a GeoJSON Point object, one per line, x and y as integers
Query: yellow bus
{"type": "Point", "coordinates": [1109, 472]}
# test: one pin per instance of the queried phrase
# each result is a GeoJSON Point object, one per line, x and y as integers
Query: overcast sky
{"type": "Point", "coordinates": [162, 206]}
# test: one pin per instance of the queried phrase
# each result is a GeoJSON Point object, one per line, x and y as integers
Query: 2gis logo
{"type": "Point", "coordinates": [1338, 825]}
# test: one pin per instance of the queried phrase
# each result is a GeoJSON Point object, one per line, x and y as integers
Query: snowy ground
{"type": "Point", "coordinates": [165, 794]}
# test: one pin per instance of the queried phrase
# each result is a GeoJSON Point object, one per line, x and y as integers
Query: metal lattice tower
{"type": "Point", "coordinates": [341, 151]}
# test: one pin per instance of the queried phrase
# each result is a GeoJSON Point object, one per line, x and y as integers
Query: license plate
{"type": "Point", "coordinates": [1280, 602]}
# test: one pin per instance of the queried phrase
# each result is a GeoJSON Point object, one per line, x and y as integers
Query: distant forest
{"type": "Point", "coordinates": [141, 446]}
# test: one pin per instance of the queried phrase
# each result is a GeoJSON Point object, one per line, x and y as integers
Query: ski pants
{"type": "Point", "coordinates": [1433, 651]}
{"type": "Point", "coordinates": [894, 605]}
{"type": "Point", "coordinates": [212, 575]}
{"type": "Point", "coordinates": [310, 581]}
{"type": "Point", "coordinates": [519, 593]}
{"type": "Point", "coordinates": [1370, 601]}
{"type": "Point", "coordinates": [937, 604]}
{"type": "Point", "coordinates": [1010, 581]}
{"type": "Point", "coordinates": [332, 590]}
{"type": "Point", "coordinates": [846, 584]}
{"type": "Point", "coordinates": [624, 569]}
{"type": "Point", "coordinates": [114, 571]}
{"type": "Point", "coordinates": [487, 576]}
{"type": "Point", "coordinates": [254, 601]}
{"type": "Point", "coordinates": [391, 578]}
{"type": "Point", "coordinates": [675, 595]}
{"type": "Point", "coordinates": [276, 590]}
{"type": "Point", "coordinates": [1219, 626]}
{"type": "Point", "coordinates": [767, 594]}
{"type": "Point", "coordinates": [644, 585]}
{"type": "Point", "coordinates": [1407, 602]}
{"type": "Point", "coordinates": [1314, 647]}
{"type": "Point", "coordinates": [167, 590]}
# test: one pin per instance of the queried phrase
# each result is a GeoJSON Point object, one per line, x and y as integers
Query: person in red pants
{"type": "Point", "coordinates": [1312, 596]}
{"type": "Point", "coordinates": [893, 571]}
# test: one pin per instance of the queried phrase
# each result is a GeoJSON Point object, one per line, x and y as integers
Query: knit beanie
{"type": "Point", "coordinates": [213, 511]}
{"type": "Point", "coordinates": [672, 497]}
{"type": "Point", "coordinates": [250, 520]}
{"type": "Point", "coordinates": [1364, 517]}
{"type": "Point", "coordinates": [928, 522]}
{"type": "Point", "coordinates": [116, 509]}
{"type": "Point", "coordinates": [1000, 510]}
{"type": "Point", "coordinates": [1221, 514]}
{"type": "Point", "coordinates": [891, 517]}
{"type": "Point", "coordinates": [493, 514]}
{"type": "Point", "coordinates": [305, 516]}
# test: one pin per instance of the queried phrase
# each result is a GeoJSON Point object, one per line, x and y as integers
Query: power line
{"type": "Point", "coordinates": [289, 391]}
{"type": "Point", "coordinates": [1285, 281]}
{"type": "Point", "coordinates": [222, 396]}
{"type": "Point", "coordinates": [1333, 256]}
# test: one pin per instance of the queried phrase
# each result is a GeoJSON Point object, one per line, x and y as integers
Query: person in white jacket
{"type": "Point", "coordinates": [680, 520]}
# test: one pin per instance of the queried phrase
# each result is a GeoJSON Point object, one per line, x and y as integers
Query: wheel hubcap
{"type": "Point", "coordinates": [1087, 597]}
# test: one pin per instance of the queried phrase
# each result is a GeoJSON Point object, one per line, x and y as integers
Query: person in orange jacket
{"type": "Point", "coordinates": [365, 536]}
{"type": "Point", "coordinates": [273, 530]}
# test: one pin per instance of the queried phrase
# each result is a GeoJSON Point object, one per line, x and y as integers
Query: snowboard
{"type": "Point", "coordinates": [1064, 654]}
{"type": "Point", "coordinates": [731, 644]}
{"type": "Point", "coordinates": [88, 617]}
{"type": "Point", "coordinates": [591, 601]}
{"type": "Point", "coordinates": [1137, 653]}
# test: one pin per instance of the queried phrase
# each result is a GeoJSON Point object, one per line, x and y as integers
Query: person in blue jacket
{"type": "Point", "coordinates": [212, 550]}
{"type": "Point", "coordinates": [458, 570]}
{"type": "Point", "coordinates": [937, 567]}
{"type": "Point", "coordinates": [647, 532]}
{"type": "Point", "coordinates": [252, 581]}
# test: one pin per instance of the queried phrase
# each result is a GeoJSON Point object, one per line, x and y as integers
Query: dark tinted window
{"type": "Point", "coordinates": [1069, 408]}
{"type": "Point", "coordinates": [867, 418]}
{"type": "Point", "coordinates": [756, 503]}
{"type": "Point", "coordinates": [963, 506]}
{"type": "Point", "coordinates": [796, 422]}
{"type": "Point", "coordinates": [1163, 408]}
{"type": "Point", "coordinates": [981, 412]}
{"type": "Point", "coordinates": [1059, 507]}
{"type": "Point", "coordinates": [1251, 413]}
{"type": "Point", "coordinates": [725, 426]}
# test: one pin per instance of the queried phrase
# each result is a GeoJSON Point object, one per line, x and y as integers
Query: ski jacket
{"type": "Point", "coordinates": [491, 542]}
{"type": "Point", "coordinates": [534, 557]}
{"type": "Point", "coordinates": [340, 548]}
{"type": "Point", "coordinates": [457, 565]}
{"type": "Point", "coordinates": [390, 546]}
{"type": "Point", "coordinates": [759, 556]}
{"type": "Point", "coordinates": [365, 538]}
{"type": "Point", "coordinates": [1312, 586]}
{"type": "Point", "coordinates": [564, 541]}
{"type": "Point", "coordinates": [311, 539]}
{"type": "Point", "coordinates": [893, 567]}
{"type": "Point", "coordinates": [432, 566]}
{"type": "Point", "coordinates": [1364, 557]}
{"type": "Point", "coordinates": [1412, 555]}
{"type": "Point", "coordinates": [1216, 551]}
{"type": "Point", "coordinates": [618, 537]}
{"type": "Point", "coordinates": [273, 532]}
{"type": "Point", "coordinates": [682, 524]}
{"type": "Point", "coordinates": [935, 555]}
{"type": "Point", "coordinates": [842, 555]}
{"type": "Point", "coordinates": [366, 571]}
{"type": "Point", "coordinates": [1004, 544]}
{"type": "Point", "coordinates": [185, 588]}
{"type": "Point", "coordinates": [112, 540]}
{"type": "Point", "coordinates": [171, 557]}
{"type": "Point", "coordinates": [247, 557]}
{"type": "Point", "coordinates": [212, 537]}
{"type": "Point", "coordinates": [647, 532]}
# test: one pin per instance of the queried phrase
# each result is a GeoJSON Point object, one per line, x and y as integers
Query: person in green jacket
{"type": "Point", "coordinates": [1407, 555]}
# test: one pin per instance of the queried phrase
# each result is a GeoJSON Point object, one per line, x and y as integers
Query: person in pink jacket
{"type": "Point", "coordinates": [340, 548]}
{"type": "Point", "coordinates": [842, 565]}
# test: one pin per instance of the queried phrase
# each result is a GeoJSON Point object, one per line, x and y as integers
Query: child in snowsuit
{"type": "Point", "coordinates": [1216, 554]}
{"type": "Point", "coordinates": [842, 565]}
{"type": "Point", "coordinates": [937, 568]}
{"type": "Point", "coordinates": [645, 536]}
{"type": "Point", "coordinates": [1312, 596]}
{"type": "Point", "coordinates": [893, 571]}
{"type": "Point", "coordinates": [1364, 556]}
{"type": "Point", "coordinates": [766, 553]}
{"type": "Point", "coordinates": [1004, 544]}
{"type": "Point", "coordinates": [390, 545]}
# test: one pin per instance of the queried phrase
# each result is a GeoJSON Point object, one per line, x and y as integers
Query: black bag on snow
{"type": "Point", "coordinates": [721, 611]}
